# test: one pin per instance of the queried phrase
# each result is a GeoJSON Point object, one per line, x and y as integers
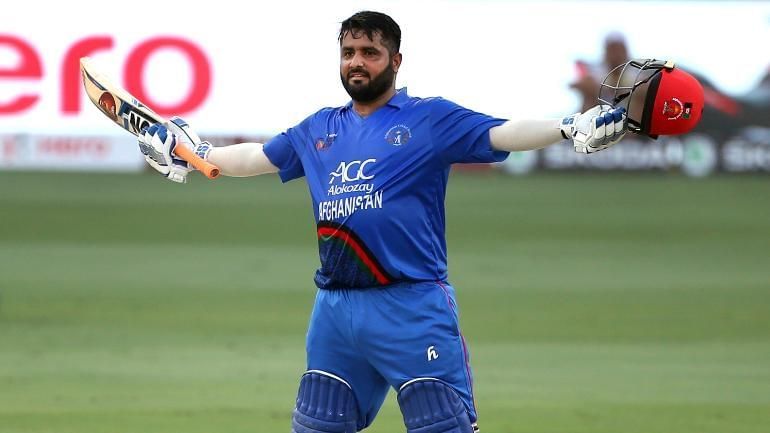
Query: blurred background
{"type": "Point", "coordinates": [624, 291]}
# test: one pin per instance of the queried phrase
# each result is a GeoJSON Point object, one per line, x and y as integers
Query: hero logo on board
{"type": "Point", "coordinates": [29, 67]}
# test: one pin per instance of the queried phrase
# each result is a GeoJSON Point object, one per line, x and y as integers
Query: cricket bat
{"type": "Point", "coordinates": [130, 114]}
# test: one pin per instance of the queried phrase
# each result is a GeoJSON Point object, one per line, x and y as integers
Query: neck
{"type": "Point", "coordinates": [364, 109]}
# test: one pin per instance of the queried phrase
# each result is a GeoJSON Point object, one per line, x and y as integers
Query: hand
{"type": "Point", "coordinates": [187, 137]}
{"type": "Point", "coordinates": [157, 145]}
{"type": "Point", "coordinates": [159, 141]}
{"type": "Point", "coordinates": [597, 129]}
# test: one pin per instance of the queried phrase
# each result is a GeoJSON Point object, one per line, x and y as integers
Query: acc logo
{"type": "Point", "coordinates": [673, 109]}
{"type": "Point", "coordinates": [352, 171]}
{"type": "Point", "coordinates": [398, 135]}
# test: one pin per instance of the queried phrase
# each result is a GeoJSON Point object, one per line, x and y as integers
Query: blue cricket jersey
{"type": "Point", "coordinates": [378, 184]}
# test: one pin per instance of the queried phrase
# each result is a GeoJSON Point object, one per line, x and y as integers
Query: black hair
{"type": "Point", "coordinates": [368, 23]}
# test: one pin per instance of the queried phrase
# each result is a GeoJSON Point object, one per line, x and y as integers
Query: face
{"type": "Point", "coordinates": [367, 70]}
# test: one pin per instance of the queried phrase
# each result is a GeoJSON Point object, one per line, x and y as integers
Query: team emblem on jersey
{"type": "Point", "coordinates": [325, 142]}
{"type": "Point", "coordinates": [398, 135]}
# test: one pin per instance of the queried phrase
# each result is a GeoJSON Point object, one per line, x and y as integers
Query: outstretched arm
{"type": "Point", "coordinates": [518, 135]}
{"type": "Point", "coordinates": [592, 131]}
{"type": "Point", "coordinates": [242, 159]}
{"type": "Point", "coordinates": [158, 142]}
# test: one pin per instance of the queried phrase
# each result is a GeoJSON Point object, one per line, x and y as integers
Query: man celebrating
{"type": "Point", "coordinates": [377, 168]}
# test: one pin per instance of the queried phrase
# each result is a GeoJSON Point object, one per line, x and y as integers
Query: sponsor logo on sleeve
{"type": "Point", "coordinates": [324, 143]}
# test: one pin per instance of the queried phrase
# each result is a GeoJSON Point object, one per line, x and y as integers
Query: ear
{"type": "Point", "coordinates": [396, 61]}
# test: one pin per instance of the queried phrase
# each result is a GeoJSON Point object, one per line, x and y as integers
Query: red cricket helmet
{"type": "Point", "coordinates": [659, 98]}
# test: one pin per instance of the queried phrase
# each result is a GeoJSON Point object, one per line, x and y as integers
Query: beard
{"type": "Point", "coordinates": [376, 87]}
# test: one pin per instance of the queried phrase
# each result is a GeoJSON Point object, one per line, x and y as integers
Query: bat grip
{"type": "Point", "coordinates": [208, 169]}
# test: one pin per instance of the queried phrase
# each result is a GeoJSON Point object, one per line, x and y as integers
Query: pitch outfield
{"type": "Point", "coordinates": [129, 304]}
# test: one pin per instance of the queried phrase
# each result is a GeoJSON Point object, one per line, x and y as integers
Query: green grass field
{"type": "Point", "coordinates": [592, 303]}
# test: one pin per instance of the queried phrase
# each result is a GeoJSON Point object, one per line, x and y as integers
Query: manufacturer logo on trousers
{"type": "Point", "coordinates": [432, 354]}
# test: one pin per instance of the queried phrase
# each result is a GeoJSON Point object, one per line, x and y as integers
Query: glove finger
{"type": "Point", "coordinates": [624, 122]}
{"type": "Point", "coordinates": [157, 140]}
{"type": "Point", "coordinates": [149, 132]}
{"type": "Point", "coordinates": [161, 133]}
{"type": "Point", "coordinates": [598, 129]}
{"type": "Point", "coordinates": [142, 143]}
{"type": "Point", "coordinates": [620, 128]}
{"type": "Point", "coordinates": [160, 168]}
{"type": "Point", "coordinates": [609, 122]}
{"type": "Point", "coordinates": [618, 114]}
{"type": "Point", "coordinates": [175, 141]}
{"type": "Point", "coordinates": [619, 117]}
{"type": "Point", "coordinates": [146, 144]}
{"type": "Point", "coordinates": [600, 132]}
{"type": "Point", "coordinates": [170, 142]}
{"type": "Point", "coordinates": [177, 177]}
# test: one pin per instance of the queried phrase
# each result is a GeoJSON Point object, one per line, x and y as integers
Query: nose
{"type": "Point", "coordinates": [357, 60]}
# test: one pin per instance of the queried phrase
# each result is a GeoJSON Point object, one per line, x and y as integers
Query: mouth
{"type": "Point", "coordinates": [357, 75]}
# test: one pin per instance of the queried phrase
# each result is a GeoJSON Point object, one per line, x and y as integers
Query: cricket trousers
{"type": "Point", "coordinates": [383, 337]}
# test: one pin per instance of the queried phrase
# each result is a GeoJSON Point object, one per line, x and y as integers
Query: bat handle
{"type": "Point", "coordinates": [208, 169]}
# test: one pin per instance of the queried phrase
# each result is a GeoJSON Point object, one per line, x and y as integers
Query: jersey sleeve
{"type": "Point", "coordinates": [282, 152]}
{"type": "Point", "coordinates": [461, 135]}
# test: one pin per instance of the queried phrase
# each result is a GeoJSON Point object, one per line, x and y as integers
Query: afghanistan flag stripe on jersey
{"type": "Point", "coordinates": [346, 241]}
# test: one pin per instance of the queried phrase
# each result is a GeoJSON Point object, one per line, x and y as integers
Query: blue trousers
{"type": "Point", "coordinates": [378, 338]}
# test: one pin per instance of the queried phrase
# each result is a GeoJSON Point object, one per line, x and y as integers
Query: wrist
{"type": "Point", "coordinates": [203, 149]}
{"type": "Point", "coordinates": [567, 126]}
